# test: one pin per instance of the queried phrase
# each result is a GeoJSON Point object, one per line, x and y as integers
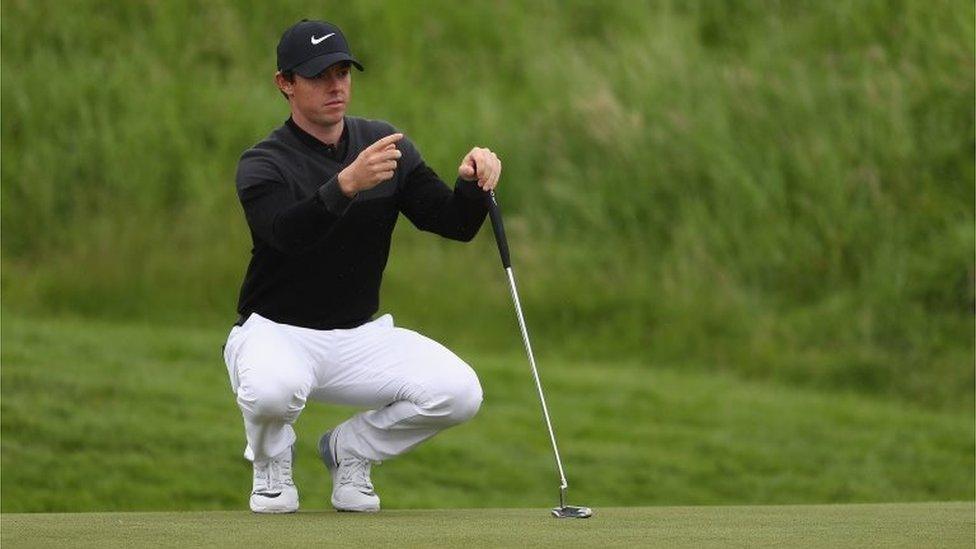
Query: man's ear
{"type": "Point", "coordinates": [286, 86]}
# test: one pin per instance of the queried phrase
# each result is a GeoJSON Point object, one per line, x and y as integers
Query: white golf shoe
{"type": "Point", "coordinates": [352, 490]}
{"type": "Point", "coordinates": [273, 490]}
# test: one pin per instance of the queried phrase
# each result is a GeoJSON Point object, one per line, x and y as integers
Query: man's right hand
{"type": "Point", "coordinates": [373, 166]}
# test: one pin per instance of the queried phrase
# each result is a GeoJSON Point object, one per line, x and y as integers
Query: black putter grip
{"type": "Point", "coordinates": [496, 224]}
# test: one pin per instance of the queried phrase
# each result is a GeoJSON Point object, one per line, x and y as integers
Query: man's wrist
{"type": "Point", "coordinates": [345, 185]}
{"type": "Point", "coordinates": [330, 194]}
{"type": "Point", "coordinates": [470, 189]}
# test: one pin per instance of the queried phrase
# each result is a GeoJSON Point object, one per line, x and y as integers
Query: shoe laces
{"type": "Point", "coordinates": [281, 469]}
{"type": "Point", "coordinates": [356, 472]}
{"type": "Point", "coordinates": [272, 475]}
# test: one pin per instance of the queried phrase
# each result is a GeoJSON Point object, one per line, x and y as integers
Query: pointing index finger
{"type": "Point", "coordinates": [383, 142]}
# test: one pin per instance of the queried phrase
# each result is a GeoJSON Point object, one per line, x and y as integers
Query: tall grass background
{"type": "Point", "coordinates": [779, 190]}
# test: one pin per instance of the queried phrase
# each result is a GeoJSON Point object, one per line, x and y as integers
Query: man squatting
{"type": "Point", "coordinates": [321, 195]}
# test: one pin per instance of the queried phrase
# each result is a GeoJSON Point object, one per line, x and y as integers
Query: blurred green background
{"type": "Point", "coordinates": [743, 233]}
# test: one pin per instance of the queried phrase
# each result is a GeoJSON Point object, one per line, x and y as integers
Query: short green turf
{"type": "Point", "coordinates": [101, 416]}
{"type": "Point", "coordinates": [892, 525]}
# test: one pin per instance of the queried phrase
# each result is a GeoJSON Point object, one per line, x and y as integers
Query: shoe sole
{"type": "Point", "coordinates": [272, 511]}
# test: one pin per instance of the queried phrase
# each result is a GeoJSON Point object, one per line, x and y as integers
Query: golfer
{"type": "Point", "coordinates": [321, 195]}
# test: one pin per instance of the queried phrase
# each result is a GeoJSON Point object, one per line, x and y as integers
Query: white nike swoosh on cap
{"type": "Point", "coordinates": [317, 40]}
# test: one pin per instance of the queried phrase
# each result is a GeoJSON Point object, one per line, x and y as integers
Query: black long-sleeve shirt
{"type": "Point", "coordinates": [318, 256]}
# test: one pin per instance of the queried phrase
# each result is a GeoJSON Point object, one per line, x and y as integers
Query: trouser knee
{"type": "Point", "coordinates": [457, 404]}
{"type": "Point", "coordinates": [271, 401]}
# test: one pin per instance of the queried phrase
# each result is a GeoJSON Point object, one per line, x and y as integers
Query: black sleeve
{"type": "Point", "coordinates": [431, 205]}
{"type": "Point", "coordinates": [276, 216]}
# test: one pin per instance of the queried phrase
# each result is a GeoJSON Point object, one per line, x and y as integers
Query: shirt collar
{"type": "Point", "coordinates": [336, 152]}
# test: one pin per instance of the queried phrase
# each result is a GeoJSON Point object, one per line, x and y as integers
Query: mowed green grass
{"type": "Point", "coordinates": [98, 416]}
{"type": "Point", "coordinates": [893, 525]}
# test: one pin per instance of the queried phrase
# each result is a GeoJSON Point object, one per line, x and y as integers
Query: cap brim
{"type": "Point", "coordinates": [315, 65]}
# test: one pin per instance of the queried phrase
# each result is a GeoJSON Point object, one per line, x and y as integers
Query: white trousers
{"type": "Point", "coordinates": [413, 386]}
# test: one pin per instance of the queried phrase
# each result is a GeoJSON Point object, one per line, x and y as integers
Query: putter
{"type": "Point", "coordinates": [563, 511]}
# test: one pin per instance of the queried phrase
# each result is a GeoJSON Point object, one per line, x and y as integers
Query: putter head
{"type": "Point", "coordinates": [572, 511]}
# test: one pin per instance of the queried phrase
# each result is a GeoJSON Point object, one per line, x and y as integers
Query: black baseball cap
{"type": "Point", "coordinates": [310, 47]}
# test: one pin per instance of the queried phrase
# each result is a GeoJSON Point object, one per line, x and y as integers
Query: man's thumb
{"type": "Point", "coordinates": [466, 170]}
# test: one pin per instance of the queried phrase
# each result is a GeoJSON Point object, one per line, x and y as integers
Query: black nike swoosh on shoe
{"type": "Point", "coordinates": [268, 494]}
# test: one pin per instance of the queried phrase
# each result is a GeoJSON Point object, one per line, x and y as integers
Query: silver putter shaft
{"type": "Point", "coordinates": [563, 511]}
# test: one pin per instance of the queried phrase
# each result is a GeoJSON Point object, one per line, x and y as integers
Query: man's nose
{"type": "Point", "coordinates": [331, 83]}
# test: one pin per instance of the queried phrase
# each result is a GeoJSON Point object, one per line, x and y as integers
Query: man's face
{"type": "Point", "coordinates": [321, 99]}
